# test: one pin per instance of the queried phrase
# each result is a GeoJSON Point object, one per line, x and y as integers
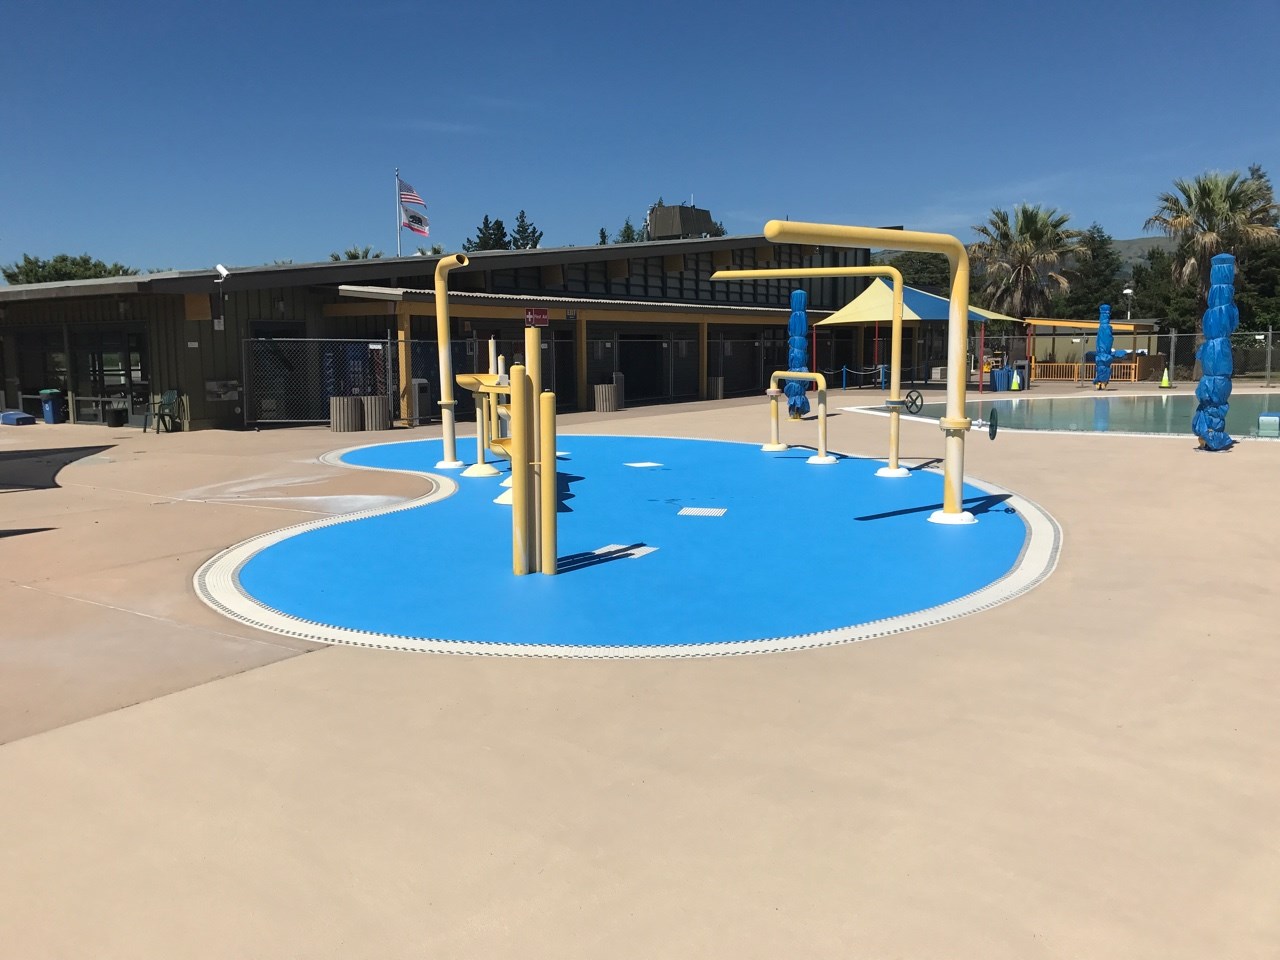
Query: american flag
{"type": "Point", "coordinates": [415, 221]}
{"type": "Point", "coordinates": [408, 194]}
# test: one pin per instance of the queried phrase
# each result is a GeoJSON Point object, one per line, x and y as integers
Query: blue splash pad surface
{"type": "Point", "coordinates": [800, 549]}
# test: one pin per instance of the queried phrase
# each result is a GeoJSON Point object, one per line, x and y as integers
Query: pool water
{"type": "Point", "coordinates": [1100, 413]}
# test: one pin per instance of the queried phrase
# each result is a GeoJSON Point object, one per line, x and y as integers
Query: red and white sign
{"type": "Point", "coordinates": [536, 317]}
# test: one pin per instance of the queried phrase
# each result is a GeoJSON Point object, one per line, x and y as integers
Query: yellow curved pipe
{"type": "Point", "coordinates": [443, 347]}
{"type": "Point", "coordinates": [895, 342]}
{"type": "Point", "coordinates": [775, 394]}
{"type": "Point", "coordinates": [955, 423]}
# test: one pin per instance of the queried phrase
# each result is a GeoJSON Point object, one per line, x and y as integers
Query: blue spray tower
{"type": "Point", "coordinates": [1103, 352]}
{"type": "Point", "coordinates": [797, 355]}
{"type": "Point", "coordinates": [1216, 365]}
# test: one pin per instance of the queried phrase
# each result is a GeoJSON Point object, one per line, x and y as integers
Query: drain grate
{"type": "Point", "coordinates": [703, 511]}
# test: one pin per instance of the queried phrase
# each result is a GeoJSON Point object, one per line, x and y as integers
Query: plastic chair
{"type": "Point", "coordinates": [164, 409]}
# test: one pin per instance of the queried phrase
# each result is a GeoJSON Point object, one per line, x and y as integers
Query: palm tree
{"type": "Point", "coordinates": [357, 253]}
{"type": "Point", "coordinates": [436, 248]}
{"type": "Point", "coordinates": [1020, 261]}
{"type": "Point", "coordinates": [1216, 213]}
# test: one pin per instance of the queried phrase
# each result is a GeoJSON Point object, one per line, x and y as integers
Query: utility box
{"type": "Point", "coordinates": [420, 400]}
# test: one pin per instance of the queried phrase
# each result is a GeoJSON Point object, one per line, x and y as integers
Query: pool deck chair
{"type": "Point", "coordinates": [164, 410]}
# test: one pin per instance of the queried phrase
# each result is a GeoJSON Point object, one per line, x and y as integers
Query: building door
{"type": "Point", "coordinates": [644, 359]}
{"type": "Point", "coordinates": [110, 368]}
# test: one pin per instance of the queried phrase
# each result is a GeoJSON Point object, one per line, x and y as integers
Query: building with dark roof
{"type": "Point", "coordinates": [271, 344]}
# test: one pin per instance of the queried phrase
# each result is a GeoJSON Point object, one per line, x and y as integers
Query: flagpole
{"type": "Point", "coordinates": [398, 215]}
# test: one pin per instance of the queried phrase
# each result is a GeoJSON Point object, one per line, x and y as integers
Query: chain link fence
{"type": "Point", "coordinates": [290, 380]}
{"type": "Point", "coordinates": [1253, 355]}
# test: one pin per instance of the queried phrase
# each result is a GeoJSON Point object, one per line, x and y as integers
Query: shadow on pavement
{"type": "Point", "coordinates": [38, 469]}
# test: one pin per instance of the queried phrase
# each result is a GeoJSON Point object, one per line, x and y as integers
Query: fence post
{"type": "Point", "coordinates": [1268, 380]}
{"type": "Point", "coordinates": [1173, 355]}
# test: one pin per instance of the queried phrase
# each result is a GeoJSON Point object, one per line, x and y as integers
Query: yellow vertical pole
{"type": "Point", "coordinates": [955, 423]}
{"type": "Point", "coordinates": [448, 428]}
{"type": "Point", "coordinates": [549, 484]}
{"type": "Point", "coordinates": [484, 416]}
{"type": "Point", "coordinates": [774, 443]}
{"type": "Point", "coordinates": [702, 360]}
{"type": "Point", "coordinates": [405, 363]}
{"type": "Point", "coordinates": [533, 370]}
{"type": "Point", "coordinates": [495, 423]}
{"type": "Point", "coordinates": [822, 423]}
{"type": "Point", "coordinates": [519, 451]}
{"type": "Point", "coordinates": [580, 356]}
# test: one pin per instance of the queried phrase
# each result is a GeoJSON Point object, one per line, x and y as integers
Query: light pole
{"type": "Point", "coordinates": [1127, 293]}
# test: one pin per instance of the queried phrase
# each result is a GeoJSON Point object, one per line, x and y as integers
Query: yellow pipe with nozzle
{"type": "Point", "coordinates": [894, 402]}
{"type": "Point", "coordinates": [955, 423]}
{"type": "Point", "coordinates": [775, 395]}
{"type": "Point", "coordinates": [447, 402]}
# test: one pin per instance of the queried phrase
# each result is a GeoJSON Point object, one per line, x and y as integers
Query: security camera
{"type": "Point", "coordinates": [223, 272]}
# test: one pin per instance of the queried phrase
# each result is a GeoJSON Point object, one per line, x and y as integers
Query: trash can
{"type": "Point", "coordinates": [377, 412]}
{"type": "Point", "coordinates": [115, 416]}
{"type": "Point", "coordinates": [1001, 378]}
{"type": "Point", "coordinates": [606, 397]}
{"type": "Point", "coordinates": [51, 405]}
{"type": "Point", "coordinates": [346, 414]}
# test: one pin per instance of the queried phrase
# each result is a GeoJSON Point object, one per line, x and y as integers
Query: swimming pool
{"type": "Point", "coordinates": [1148, 413]}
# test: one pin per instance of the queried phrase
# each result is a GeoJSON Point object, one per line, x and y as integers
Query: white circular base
{"type": "Point", "coordinates": [505, 497]}
{"type": "Point", "coordinates": [481, 470]}
{"type": "Point", "coordinates": [507, 482]}
{"type": "Point", "coordinates": [817, 459]}
{"type": "Point", "coordinates": [450, 465]}
{"type": "Point", "coordinates": [893, 472]}
{"type": "Point", "coordinates": [774, 447]}
{"type": "Point", "coordinates": [952, 519]}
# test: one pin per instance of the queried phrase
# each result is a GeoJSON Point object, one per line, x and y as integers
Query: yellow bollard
{"type": "Point", "coordinates": [773, 446]}
{"type": "Point", "coordinates": [549, 486]}
{"type": "Point", "coordinates": [533, 370]}
{"type": "Point", "coordinates": [519, 450]}
{"type": "Point", "coordinates": [482, 468]}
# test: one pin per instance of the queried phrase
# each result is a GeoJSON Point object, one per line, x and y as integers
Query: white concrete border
{"type": "Point", "coordinates": [880, 411]}
{"type": "Point", "coordinates": [217, 583]}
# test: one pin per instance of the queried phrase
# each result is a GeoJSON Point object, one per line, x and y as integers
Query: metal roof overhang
{"type": "Point", "coordinates": [59, 290]}
{"type": "Point", "coordinates": [1122, 326]}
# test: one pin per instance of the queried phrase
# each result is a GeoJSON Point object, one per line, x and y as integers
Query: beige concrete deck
{"type": "Point", "coordinates": [1092, 770]}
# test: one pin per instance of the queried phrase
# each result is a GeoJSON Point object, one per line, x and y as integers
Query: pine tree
{"type": "Point", "coordinates": [490, 235]}
{"type": "Point", "coordinates": [604, 237]}
{"type": "Point", "coordinates": [628, 233]}
{"type": "Point", "coordinates": [525, 236]}
{"type": "Point", "coordinates": [1094, 276]}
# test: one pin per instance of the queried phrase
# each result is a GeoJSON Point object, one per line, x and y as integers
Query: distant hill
{"type": "Point", "coordinates": [1135, 250]}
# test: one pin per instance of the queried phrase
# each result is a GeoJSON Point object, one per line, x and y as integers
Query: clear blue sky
{"type": "Point", "coordinates": [183, 134]}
